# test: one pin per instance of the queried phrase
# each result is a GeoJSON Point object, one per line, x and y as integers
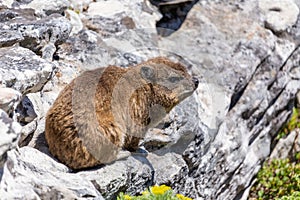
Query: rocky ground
{"type": "Point", "coordinates": [245, 53]}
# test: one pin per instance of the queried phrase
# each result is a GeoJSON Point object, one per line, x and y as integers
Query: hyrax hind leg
{"type": "Point", "coordinates": [131, 148]}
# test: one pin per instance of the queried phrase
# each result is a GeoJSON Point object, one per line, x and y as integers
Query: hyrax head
{"type": "Point", "coordinates": [148, 92]}
{"type": "Point", "coordinates": [169, 81]}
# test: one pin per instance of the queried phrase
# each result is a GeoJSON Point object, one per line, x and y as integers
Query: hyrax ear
{"type": "Point", "coordinates": [147, 73]}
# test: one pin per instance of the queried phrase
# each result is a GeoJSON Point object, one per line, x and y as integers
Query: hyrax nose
{"type": "Point", "coordinates": [195, 81]}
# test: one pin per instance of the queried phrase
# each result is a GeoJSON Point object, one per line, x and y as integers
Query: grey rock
{"type": "Point", "coordinates": [9, 134]}
{"type": "Point", "coordinates": [9, 15]}
{"type": "Point", "coordinates": [109, 180]}
{"type": "Point", "coordinates": [279, 15]}
{"type": "Point", "coordinates": [285, 146]}
{"type": "Point", "coordinates": [140, 175]}
{"type": "Point", "coordinates": [23, 70]}
{"type": "Point", "coordinates": [116, 11]}
{"type": "Point", "coordinates": [9, 99]}
{"type": "Point", "coordinates": [80, 5]}
{"type": "Point", "coordinates": [298, 100]}
{"type": "Point", "coordinates": [169, 2]}
{"type": "Point", "coordinates": [43, 35]}
{"type": "Point", "coordinates": [30, 174]}
{"type": "Point", "coordinates": [8, 38]}
{"type": "Point", "coordinates": [7, 3]}
{"type": "Point", "coordinates": [25, 111]}
{"type": "Point", "coordinates": [174, 13]}
{"type": "Point", "coordinates": [44, 8]}
{"type": "Point", "coordinates": [255, 83]}
{"type": "Point", "coordinates": [132, 176]}
{"type": "Point", "coordinates": [296, 145]}
{"type": "Point", "coordinates": [27, 133]}
{"type": "Point", "coordinates": [168, 167]}
{"type": "Point", "coordinates": [31, 114]}
{"type": "Point", "coordinates": [75, 21]}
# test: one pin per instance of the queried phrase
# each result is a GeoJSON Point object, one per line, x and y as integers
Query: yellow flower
{"type": "Point", "coordinates": [127, 197]}
{"type": "Point", "coordinates": [160, 189]}
{"type": "Point", "coordinates": [181, 197]}
{"type": "Point", "coordinates": [145, 193]}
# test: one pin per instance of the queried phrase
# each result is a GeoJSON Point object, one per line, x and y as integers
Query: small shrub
{"type": "Point", "coordinates": [292, 124]}
{"type": "Point", "coordinates": [162, 192]}
{"type": "Point", "coordinates": [277, 179]}
{"type": "Point", "coordinates": [294, 196]}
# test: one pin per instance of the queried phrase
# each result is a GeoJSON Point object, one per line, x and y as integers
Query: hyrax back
{"type": "Point", "coordinates": [108, 109]}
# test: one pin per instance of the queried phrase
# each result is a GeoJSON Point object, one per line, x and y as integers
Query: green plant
{"type": "Point", "coordinates": [277, 179]}
{"type": "Point", "coordinates": [294, 196]}
{"type": "Point", "coordinates": [292, 124]}
{"type": "Point", "coordinates": [162, 192]}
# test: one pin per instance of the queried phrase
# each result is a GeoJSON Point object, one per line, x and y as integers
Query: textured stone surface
{"type": "Point", "coordinates": [23, 70]}
{"type": "Point", "coordinates": [250, 64]}
{"type": "Point", "coordinates": [41, 36]}
{"type": "Point", "coordinates": [298, 99]}
{"type": "Point", "coordinates": [9, 133]}
{"type": "Point", "coordinates": [279, 15]}
{"type": "Point", "coordinates": [132, 175]}
{"type": "Point", "coordinates": [144, 15]}
{"type": "Point", "coordinates": [9, 99]}
{"type": "Point", "coordinates": [75, 21]}
{"type": "Point", "coordinates": [8, 38]}
{"type": "Point", "coordinates": [43, 8]}
{"type": "Point", "coordinates": [30, 174]}
{"type": "Point", "coordinates": [287, 147]}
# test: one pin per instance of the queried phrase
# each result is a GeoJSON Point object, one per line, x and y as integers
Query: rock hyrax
{"type": "Point", "coordinates": [106, 110]}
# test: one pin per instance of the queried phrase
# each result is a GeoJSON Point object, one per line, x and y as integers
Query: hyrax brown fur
{"type": "Point", "coordinates": [108, 109]}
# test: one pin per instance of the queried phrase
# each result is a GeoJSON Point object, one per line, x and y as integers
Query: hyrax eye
{"type": "Point", "coordinates": [175, 79]}
{"type": "Point", "coordinates": [147, 73]}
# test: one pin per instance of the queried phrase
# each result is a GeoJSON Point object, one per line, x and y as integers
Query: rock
{"type": "Point", "coordinates": [254, 82]}
{"type": "Point", "coordinates": [80, 6]}
{"type": "Point", "coordinates": [22, 70]}
{"type": "Point", "coordinates": [115, 16]}
{"type": "Point", "coordinates": [44, 8]}
{"type": "Point", "coordinates": [7, 3]}
{"type": "Point", "coordinates": [279, 15]}
{"type": "Point", "coordinates": [168, 2]}
{"type": "Point", "coordinates": [26, 112]}
{"type": "Point", "coordinates": [109, 180]}
{"type": "Point", "coordinates": [29, 174]}
{"type": "Point", "coordinates": [9, 134]}
{"type": "Point", "coordinates": [106, 9]}
{"type": "Point", "coordinates": [41, 36]}
{"type": "Point", "coordinates": [8, 38]}
{"type": "Point", "coordinates": [9, 99]}
{"type": "Point", "coordinates": [140, 175]}
{"type": "Point", "coordinates": [75, 21]}
{"type": "Point", "coordinates": [287, 147]}
{"type": "Point", "coordinates": [9, 15]}
{"type": "Point", "coordinates": [174, 13]}
{"type": "Point", "coordinates": [298, 100]}
{"type": "Point", "coordinates": [135, 174]}
{"type": "Point", "coordinates": [296, 145]}
{"type": "Point", "coordinates": [168, 167]}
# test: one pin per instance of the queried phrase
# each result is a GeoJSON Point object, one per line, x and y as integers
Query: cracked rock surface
{"type": "Point", "coordinates": [246, 56]}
